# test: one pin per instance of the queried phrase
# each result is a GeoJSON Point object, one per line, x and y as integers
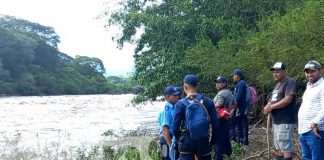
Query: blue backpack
{"type": "Point", "coordinates": [197, 117]}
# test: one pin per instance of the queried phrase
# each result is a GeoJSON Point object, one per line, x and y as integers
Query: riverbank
{"type": "Point", "coordinates": [139, 147]}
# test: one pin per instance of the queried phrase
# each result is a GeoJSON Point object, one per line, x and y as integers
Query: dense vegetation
{"type": "Point", "coordinates": [31, 64]}
{"type": "Point", "coordinates": [213, 37]}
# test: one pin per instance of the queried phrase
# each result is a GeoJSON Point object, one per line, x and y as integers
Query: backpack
{"type": "Point", "coordinates": [248, 94]}
{"type": "Point", "coordinates": [197, 118]}
{"type": "Point", "coordinates": [254, 96]}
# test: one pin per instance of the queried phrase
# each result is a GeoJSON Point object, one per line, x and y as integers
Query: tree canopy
{"type": "Point", "coordinates": [212, 38]}
{"type": "Point", "coordinates": [31, 64]}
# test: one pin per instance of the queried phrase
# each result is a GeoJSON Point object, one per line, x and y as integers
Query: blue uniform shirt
{"type": "Point", "coordinates": [166, 118]}
{"type": "Point", "coordinates": [179, 116]}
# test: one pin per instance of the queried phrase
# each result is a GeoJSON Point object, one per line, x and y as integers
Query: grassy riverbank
{"type": "Point", "coordinates": [128, 148]}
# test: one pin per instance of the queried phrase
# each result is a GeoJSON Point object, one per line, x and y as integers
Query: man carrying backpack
{"type": "Point", "coordinates": [193, 117]}
{"type": "Point", "coordinates": [165, 120]}
{"type": "Point", "coordinates": [240, 120]}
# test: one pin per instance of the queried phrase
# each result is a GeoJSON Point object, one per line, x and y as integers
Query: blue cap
{"type": "Point", "coordinates": [220, 79]}
{"type": "Point", "coordinates": [191, 80]}
{"type": "Point", "coordinates": [179, 89]}
{"type": "Point", "coordinates": [171, 90]}
{"type": "Point", "coordinates": [238, 72]}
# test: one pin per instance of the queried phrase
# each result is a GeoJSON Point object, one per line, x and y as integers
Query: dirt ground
{"type": "Point", "coordinates": [258, 149]}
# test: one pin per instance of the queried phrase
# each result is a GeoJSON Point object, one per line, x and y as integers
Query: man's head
{"type": "Point", "coordinates": [171, 94]}
{"type": "Point", "coordinates": [237, 75]}
{"type": "Point", "coordinates": [279, 71]}
{"type": "Point", "coordinates": [221, 82]}
{"type": "Point", "coordinates": [190, 83]}
{"type": "Point", "coordinates": [179, 89]}
{"type": "Point", "coordinates": [313, 71]}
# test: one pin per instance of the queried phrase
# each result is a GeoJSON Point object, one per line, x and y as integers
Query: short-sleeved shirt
{"type": "Point", "coordinates": [224, 98]}
{"type": "Point", "coordinates": [166, 117]}
{"type": "Point", "coordinates": [312, 107]}
{"type": "Point", "coordinates": [287, 114]}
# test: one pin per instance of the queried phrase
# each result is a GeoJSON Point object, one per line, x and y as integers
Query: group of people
{"type": "Point", "coordinates": [191, 125]}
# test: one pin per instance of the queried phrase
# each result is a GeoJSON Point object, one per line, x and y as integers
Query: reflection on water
{"type": "Point", "coordinates": [72, 120]}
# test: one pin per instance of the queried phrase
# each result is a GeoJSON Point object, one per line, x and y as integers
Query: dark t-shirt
{"type": "Point", "coordinates": [287, 114]}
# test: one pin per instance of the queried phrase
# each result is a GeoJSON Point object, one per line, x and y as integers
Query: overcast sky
{"type": "Point", "coordinates": [79, 30]}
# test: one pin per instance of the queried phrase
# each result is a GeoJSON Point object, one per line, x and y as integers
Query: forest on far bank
{"type": "Point", "coordinates": [213, 37]}
{"type": "Point", "coordinates": [31, 64]}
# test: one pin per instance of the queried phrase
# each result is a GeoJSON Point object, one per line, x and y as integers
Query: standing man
{"type": "Point", "coordinates": [282, 107]}
{"type": "Point", "coordinates": [165, 120]}
{"type": "Point", "coordinates": [311, 114]}
{"type": "Point", "coordinates": [223, 100]}
{"type": "Point", "coordinates": [240, 120]}
{"type": "Point", "coordinates": [190, 142]}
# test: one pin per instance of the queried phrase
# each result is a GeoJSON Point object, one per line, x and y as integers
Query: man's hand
{"type": "Point", "coordinates": [232, 112]}
{"type": "Point", "coordinates": [267, 109]}
{"type": "Point", "coordinates": [173, 149]}
{"type": "Point", "coordinates": [315, 129]}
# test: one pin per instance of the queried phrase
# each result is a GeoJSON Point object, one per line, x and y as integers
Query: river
{"type": "Point", "coordinates": [72, 120]}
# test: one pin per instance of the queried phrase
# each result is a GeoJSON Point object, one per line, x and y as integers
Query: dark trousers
{"type": "Point", "coordinates": [164, 149]}
{"type": "Point", "coordinates": [188, 148]}
{"type": "Point", "coordinates": [224, 147]}
{"type": "Point", "coordinates": [239, 129]}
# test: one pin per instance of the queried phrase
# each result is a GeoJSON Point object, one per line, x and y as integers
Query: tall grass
{"type": "Point", "coordinates": [126, 148]}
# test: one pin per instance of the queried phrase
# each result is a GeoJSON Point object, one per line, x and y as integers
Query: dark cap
{"type": "Point", "coordinates": [312, 65]}
{"type": "Point", "coordinates": [220, 79]}
{"type": "Point", "coordinates": [278, 66]}
{"type": "Point", "coordinates": [171, 90]}
{"type": "Point", "coordinates": [179, 89]}
{"type": "Point", "coordinates": [192, 80]}
{"type": "Point", "coordinates": [238, 72]}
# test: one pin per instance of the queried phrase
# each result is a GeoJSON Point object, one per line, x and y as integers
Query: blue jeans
{"type": "Point", "coordinates": [312, 147]}
{"type": "Point", "coordinates": [239, 129]}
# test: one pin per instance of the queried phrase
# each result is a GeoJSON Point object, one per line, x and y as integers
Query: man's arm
{"type": "Point", "coordinates": [166, 134]}
{"type": "Point", "coordinates": [219, 101]}
{"type": "Point", "coordinates": [238, 95]}
{"type": "Point", "coordinates": [320, 116]}
{"type": "Point", "coordinates": [282, 103]}
{"type": "Point", "coordinates": [177, 118]}
{"type": "Point", "coordinates": [214, 122]}
{"type": "Point", "coordinates": [290, 93]}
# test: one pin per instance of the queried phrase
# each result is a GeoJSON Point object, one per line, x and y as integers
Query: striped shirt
{"type": "Point", "coordinates": [312, 107]}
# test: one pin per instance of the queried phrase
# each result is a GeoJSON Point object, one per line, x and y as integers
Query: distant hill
{"type": "Point", "coordinates": [31, 64]}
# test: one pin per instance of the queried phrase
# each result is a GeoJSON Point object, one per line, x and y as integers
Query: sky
{"type": "Point", "coordinates": [81, 33]}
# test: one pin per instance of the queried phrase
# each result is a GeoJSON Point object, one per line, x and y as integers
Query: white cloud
{"type": "Point", "coordinates": [76, 24]}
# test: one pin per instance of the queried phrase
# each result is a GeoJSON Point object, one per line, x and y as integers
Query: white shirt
{"type": "Point", "coordinates": [312, 107]}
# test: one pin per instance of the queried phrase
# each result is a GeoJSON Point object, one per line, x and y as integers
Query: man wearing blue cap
{"type": "Point", "coordinates": [282, 107]}
{"type": "Point", "coordinates": [223, 101]}
{"type": "Point", "coordinates": [240, 120]}
{"type": "Point", "coordinates": [165, 120]}
{"type": "Point", "coordinates": [194, 142]}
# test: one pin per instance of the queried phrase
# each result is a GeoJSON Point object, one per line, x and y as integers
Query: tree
{"type": "Point", "coordinates": [46, 33]}
{"type": "Point", "coordinates": [206, 38]}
